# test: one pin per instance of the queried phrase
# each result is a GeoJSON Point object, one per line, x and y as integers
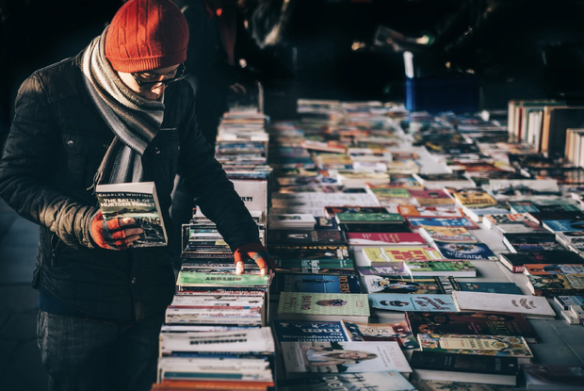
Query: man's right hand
{"type": "Point", "coordinates": [114, 234]}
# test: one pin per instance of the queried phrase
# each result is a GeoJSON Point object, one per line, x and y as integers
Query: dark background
{"type": "Point", "coordinates": [503, 43]}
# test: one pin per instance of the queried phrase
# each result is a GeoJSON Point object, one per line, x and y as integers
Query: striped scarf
{"type": "Point", "coordinates": [135, 121]}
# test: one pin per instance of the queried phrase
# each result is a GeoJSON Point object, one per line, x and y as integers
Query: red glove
{"type": "Point", "coordinates": [258, 253]}
{"type": "Point", "coordinates": [113, 234]}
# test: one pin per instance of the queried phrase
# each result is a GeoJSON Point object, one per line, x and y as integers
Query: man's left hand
{"type": "Point", "coordinates": [258, 253]}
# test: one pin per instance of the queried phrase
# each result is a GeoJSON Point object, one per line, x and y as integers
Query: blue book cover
{"type": "Point", "coordinates": [564, 225]}
{"type": "Point", "coordinates": [408, 302]}
{"type": "Point", "coordinates": [490, 287]}
{"type": "Point", "coordinates": [522, 206]}
{"type": "Point", "coordinates": [316, 283]}
{"type": "Point", "coordinates": [309, 331]}
{"type": "Point", "coordinates": [441, 222]}
{"type": "Point", "coordinates": [471, 251]}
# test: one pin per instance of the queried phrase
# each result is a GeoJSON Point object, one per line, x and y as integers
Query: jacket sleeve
{"type": "Point", "coordinates": [214, 193]}
{"type": "Point", "coordinates": [26, 169]}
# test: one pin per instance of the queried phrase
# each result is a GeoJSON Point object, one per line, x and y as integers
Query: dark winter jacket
{"type": "Point", "coordinates": [55, 145]}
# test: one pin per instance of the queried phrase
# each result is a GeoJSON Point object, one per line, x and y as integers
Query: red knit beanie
{"type": "Point", "coordinates": [146, 35]}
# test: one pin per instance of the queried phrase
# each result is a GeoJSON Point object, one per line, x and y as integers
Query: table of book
{"type": "Point", "coordinates": [558, 342]}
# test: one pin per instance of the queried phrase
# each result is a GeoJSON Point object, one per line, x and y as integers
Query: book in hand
{"type": "Point", "coordinates": [305, 358]}
{"type": "Point", "coordinates": [138, 201]}
{"type": "Point", "coordinates": [309, 331]}
{"type": "Point", "coordinates": [530, 306]}
{"type": "Point", "coordinates": [323, 306]}
{"type": "Point", "coordinates": [396, 331]}
{"type": "Point", "coordinates": [516, 261]}
{"type": "Point", "coordinates": [429, 365]}
{"type": "Point", "coordinates": [406, 302]}
{"type": "Point", "coordinates": [546, 377]}
{"type": "Point", "coordinates": [366, 381]}
{"type": "Point", "coordinates": [469, 344]}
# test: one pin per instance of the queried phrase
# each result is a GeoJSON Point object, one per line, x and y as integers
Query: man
{"type": "Point", "coordinates": [118, 112]}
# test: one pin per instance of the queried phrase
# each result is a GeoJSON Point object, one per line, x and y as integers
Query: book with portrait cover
{"type": "Point", "coordinates": [471, 322]}
{"type": "Point", "coordinates": [420, 285]}
{"type": "Point", "coordinates": [302, 358]}
{"type": "Point", "coordinates": [323, 306]}
{"type": "Point", "coordinates": [489, 345]}
{"type": "Point", "coordinates": [138, 201]}
{"type": "Point", "coordinates": [424, 303]}
{"type": "Point", "coordinates": [309, 331]}
{"type": "Point", "coordinates": [396, 331]}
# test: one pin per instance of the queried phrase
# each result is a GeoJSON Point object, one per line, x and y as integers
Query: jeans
{"type": "Point", "coordinates": [85, 355]}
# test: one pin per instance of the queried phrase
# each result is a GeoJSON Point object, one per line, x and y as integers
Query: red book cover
{"type": "Point", "coordinates": [480, 323]}
{"type": "Point", "coordinates": [385, 238]}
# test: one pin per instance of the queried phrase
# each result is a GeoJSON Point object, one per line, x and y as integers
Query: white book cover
{"type": "Point", "coordinates": [244, 341]}
{"type": "Point", "coordinates": [536, 306]}
{"type": "Point", "coordinates": [343, 357]}
{"type": "Point", "coordinates": [253, 193]}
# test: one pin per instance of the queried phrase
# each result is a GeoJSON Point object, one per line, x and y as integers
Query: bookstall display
{"type": "Point", "coordinates": [413, 251]}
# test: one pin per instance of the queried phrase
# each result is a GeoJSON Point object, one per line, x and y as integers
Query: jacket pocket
{"type": "Point", "coordinates": [84, 155]}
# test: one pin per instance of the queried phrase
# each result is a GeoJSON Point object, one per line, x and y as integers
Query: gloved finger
{"type": "Point", "coordinates": [132, 231]}
{"type": "Point", "coordinates": [120, 244]}
{"type": "Point", "coordinates": [120, 234]}
{"type": "Point", "coordinates": [112, 225]}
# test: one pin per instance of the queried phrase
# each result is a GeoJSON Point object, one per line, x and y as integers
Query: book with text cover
{"type": "Point", "coordinates": [318, 283]}
{"type": "Point", "coordinates": [384, 239]}
{"type": "Point", "coordinates": [459, 268]}
{"type": "Point", "coordinates": [471, 322]}
{"type": "Point", "coordinates": [472, 251]}
{"type": "Point", "coordinates": [447, 234]}
{"type": "Point", "coordinates": [138, 201]}
{"type": "Point", "coordinates": [309, 331]}
{"type": "Point", "coordinates": [323, 306]}
{"type": "Point", "coordinates": [378, 218]}
{"type": "Point", "coordinates": [429, 211]}
{"type": "Point", "coordinates": [573, 240]}
{"type": "Point", "coordinates": [422, 222]}
{"type": "Point", "coordinates": [401, 302]}
{"type": "Point", "coordinates": [518, 243]}
{"type": "Point", "coordinates": [516, 261]}
{"type": "Point", "coordinates": [397, 254]}
{"type": "Point", "coordinates": [530, 306]}
{"type": "Point", "coordinates": [302, 358]}
{"type": "Point", "coordinates": [420, 285]}
{"type": "Point", "coordinates": [494, 345]}
{"type": "Point", "coordinates": [387, 381]}
{"type": "Point", "coordinates": [396, 331]}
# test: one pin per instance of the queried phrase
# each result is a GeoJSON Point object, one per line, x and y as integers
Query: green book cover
{"type": "Point", "coordinates": [314, 263]}
{"type": "Point", "coordinates": [440, 266]}
{"type": "Point", "coordinates": [393, 193]}
{"type": "Point", "coordinates": [369, 217]}
{"type": "Point", "coordinates": [344, 304]}
{"type": "Point", "coordinates": [216, 279]}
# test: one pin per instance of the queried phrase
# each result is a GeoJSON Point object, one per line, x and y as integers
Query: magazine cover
{"type": "Point", "coordinates": [309, 331]}
{"type": "Point", "coordinates": [401, 302]}
{"type": "Point", "coordinates": [382, 332]}
{"type": "Point", "coordinates": [343, 357]}
{"type": "Point", "coordinates": [138, 201]}
{"type": "Point", "coordinates": [472, 251]}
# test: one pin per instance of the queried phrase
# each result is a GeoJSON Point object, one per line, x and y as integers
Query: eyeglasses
{"type": "Point", "coordinates": [148, 85]}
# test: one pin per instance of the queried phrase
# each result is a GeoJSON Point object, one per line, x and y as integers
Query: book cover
{"type": "Point", "coordinates": [563, 225]}
{"type": "Point", "coordinates": [490, 345]}
{"type": "Point", "coordinates": [550, 285]}
{"type": "Point", "coordinates": [388, 269]}
{"type": "Point", "coordinates": [473, 197]}
{"type": "Point", "coordinates": [384, 239]}
{"type": "Point", "coordinates": [490, 287]}
{"type": "Point", "coordinates": [317, 251]}
{"type": "Point", "coordinates": [527, 305]}
{"type": "Point", "coordinates": [516, 261]}
{"type": "Point", "coordinates": [417, 284]}
{"type": "Point", "coordinates": [573, 216]}
{"type": "Point", "coordinates": [431, 197]}
{"type": "Point", "coordinates": [531, 242]}
{"type": "Point", "coordinates": [447, 234]}
{"type": "Point", "coordinates": [441, 268]}
{"type": "Point", "coordinates": [437, 385]}
{"type": "Point", "coordinates": [396, 331]}
{"type": "Point", "coordinates": [315, 266]}
{"type": "Point", "coordinates": [221, 280]}
{"type": "Point", "coordinates": [315, 283]}
{"type": "Point", "coordinates": [309, 331]}
{"type": "Point", "coordinates": [440, 361]}
{"type": "Point", "coordinates": [553, 377]}
{"type": "Point", "coordinates": [386, 381]}
{"type": "Point", "coordinates": [470, 322]}
{"type": "Point", "coordinates": [348, 218]}
{"type": "Point", "coordinates": [138, 201]}
{"type": "Point", "coordinates": [521, 207]}
{"type": "Point", "coordinates": [574, 240]}
{"type": "Point", "coordinates": [398, 254]}
{"type": "Point", "coordinates": [322, 304]}
{"type": "Point", "coordinates": [472, 251]}
{"type": "Point", "coordinates": [553, 269]}
{"type": "Point", "coordinates": [429, 211]}
{"type": "Point", "coordinates": [416, 222]}
{"type": "Point", "coordinates": [302, 237]}
{"type": "Point", "coordinates": [331, 211]}
{"type": "Point", "coordinates": [401, 302]}
{"type": "Point", "coordinates": [343, 357]}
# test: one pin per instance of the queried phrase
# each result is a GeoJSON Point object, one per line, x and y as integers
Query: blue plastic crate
{"type": "Point", "coordinates": [447, 93]}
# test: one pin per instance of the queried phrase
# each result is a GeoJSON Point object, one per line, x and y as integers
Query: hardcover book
{"type": "Point", "coordinates": [138, 201]}
{"type": "Point", "coordinates": [301, 358]}
{"type": "Point", "coordinates": [489, 345]}
{"type": "Point", "coordinates": [309, 331]}
{"type": "Point", "coordinates": [397, 331]}
{"type": "Point", "coordinates": [322, 306]}
{"type": "Point", "coordinates": [424, 303]}
{"type": "Point", "coordinates": [398, 254]}
{"type": "Point", "coordinates": [471, 251]}
{"type": "Point", "coordinates": [469, 322]}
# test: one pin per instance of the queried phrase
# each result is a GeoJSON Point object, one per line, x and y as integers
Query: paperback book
{"type": "Point", "coordinates": [429, 211]}
{"type": "Point", "coordinates": [382, 255]}
{"type": "Point", "coordinates": [367, 381]}
{"type": "Point", "coordinates": [417, 284]}
{"type": "Point", "coordinates": [322, 306]}
{"type": "Point", "coordinates": [309, 331]}
{"type": "Point", "coordinates": [424, 303]}
{"type": "Point", "coordinates": [447, 234]}
{"type": "Point", "coordinates": [418, 222]}
{"type": "Point", "coordinates": [516, 261]}
{"type": "Point", "coordinates": [458, 268]}
{"type": "Point", "coordinates": [530, 306]}
{"type": "Point", "coordinates": [396, 331]}
{"type": "Point", "coordinates": [531, 242]}
{"type": "Point", "coordinates": [385, 239]}
{"type": "Point", "coordinates": [471, 251]}
{"type": "Point", "coordinates": [315, 283]}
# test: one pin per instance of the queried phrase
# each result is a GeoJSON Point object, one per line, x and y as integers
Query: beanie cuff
{"type": "Point", "coordinates": [147, 64]}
